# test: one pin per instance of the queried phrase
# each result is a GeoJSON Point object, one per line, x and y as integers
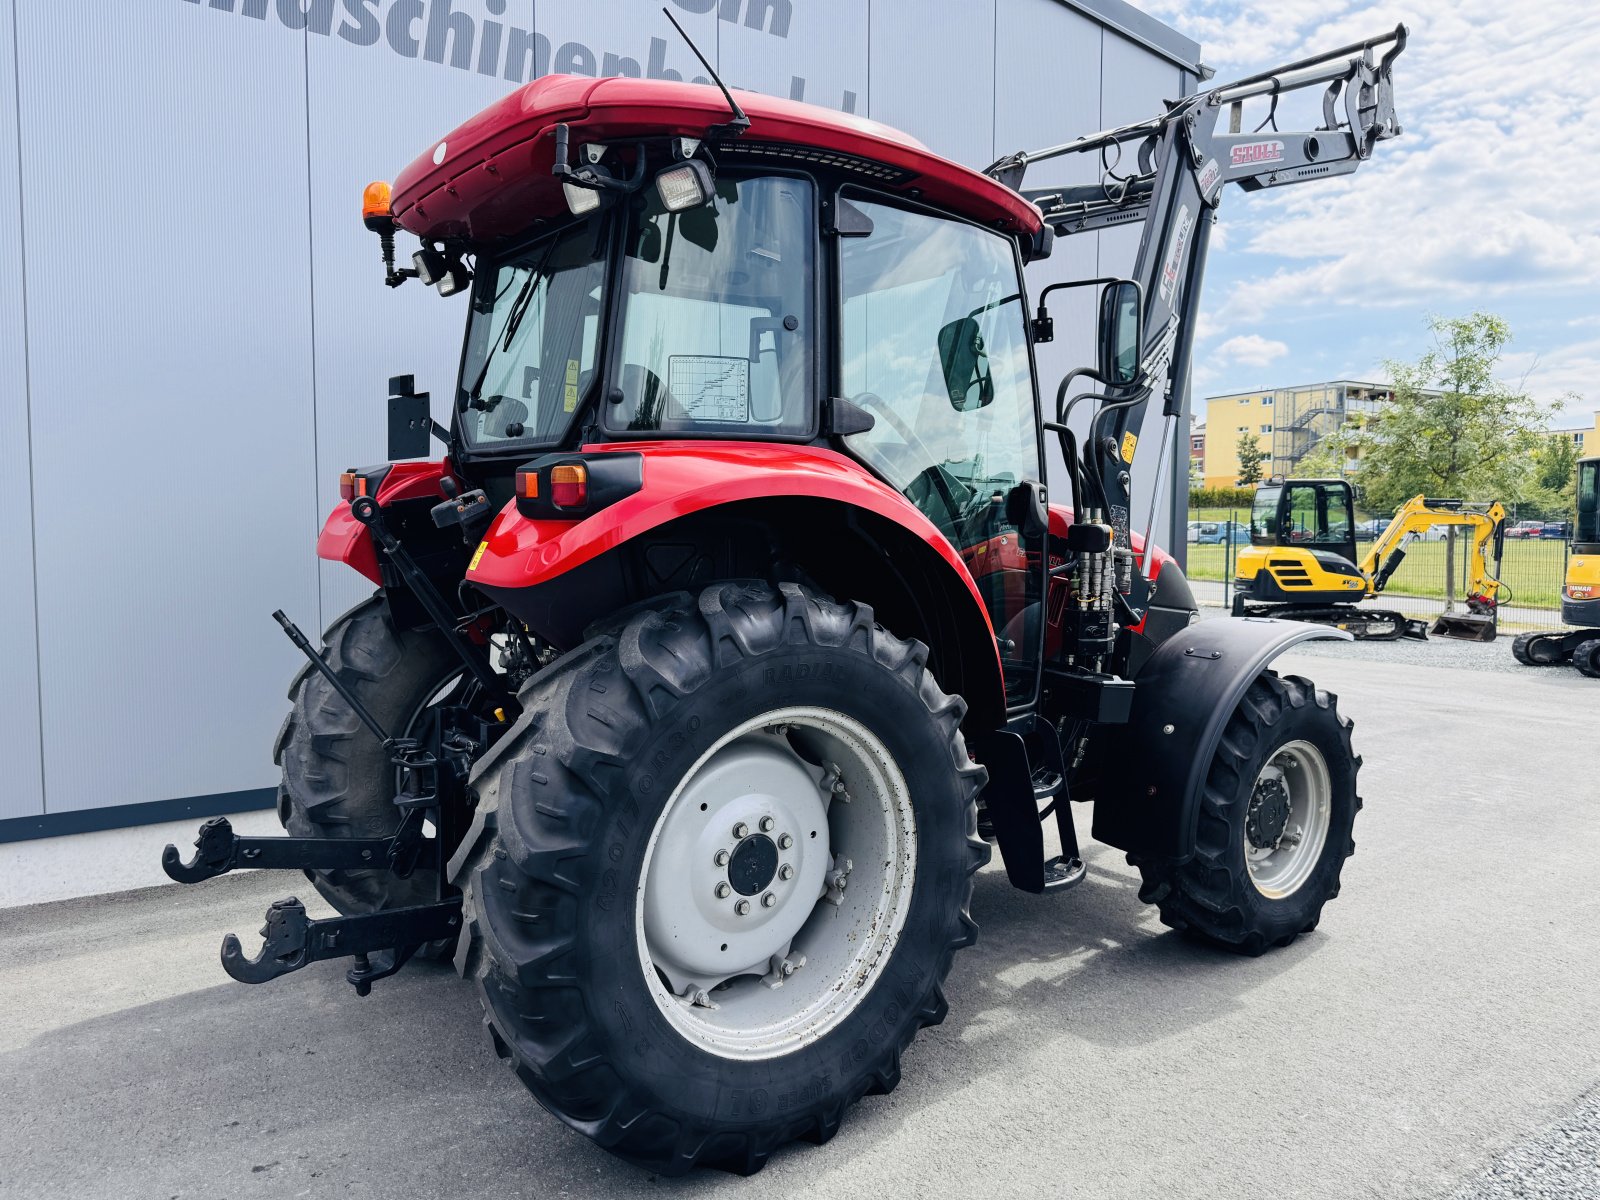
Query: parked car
{"type": "Point", "coordinates": [1222, 532]}
{"type": "Point", "coordinates": [1200, 530]}
{"type": "Point", "coordinates": [1526, 529]}
{"type": "Point", "coordinates": [1558, 531]}
{"type": "Point", "coordinates": [1371, 528]}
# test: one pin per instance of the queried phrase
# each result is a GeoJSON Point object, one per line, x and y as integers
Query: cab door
{"type": "Point", "coordinates": [932, 343]}
{"type": "Point", "coordinates": [1318, 514]}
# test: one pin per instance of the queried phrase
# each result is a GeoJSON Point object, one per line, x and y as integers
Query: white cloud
{"type": "Point", "coordinates": [1487, 195]}
{"type": "Point", "coordinates": [1252, 350]}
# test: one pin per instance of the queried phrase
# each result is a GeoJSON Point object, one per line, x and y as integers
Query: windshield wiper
{"type": "Point", "coordinates": [519, 309]}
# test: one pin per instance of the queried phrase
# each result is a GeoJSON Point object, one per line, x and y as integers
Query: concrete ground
{"type": "Point", "coordinates": [1435, 1037]}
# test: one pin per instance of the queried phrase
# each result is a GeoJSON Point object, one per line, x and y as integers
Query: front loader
{"type": "Point", "coordinates": [735, 625]}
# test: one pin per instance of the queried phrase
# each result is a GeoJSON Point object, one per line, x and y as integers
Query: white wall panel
{"type": "Point", "coordinates": [372, 110]}
{"type": "Point", "coordinates": [169, 343]}
{"type": "Point", "coordinates": [812, 50]}
{"type": "Point", "coordinates": [23, 793]}
{"type": "Point", "coordinates": [1047, 73]}
{"type": "Point", "coordinates": [933, 73]}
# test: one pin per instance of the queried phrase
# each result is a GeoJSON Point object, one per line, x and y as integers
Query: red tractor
{"type": "Point", "coordinates": [734, 626]}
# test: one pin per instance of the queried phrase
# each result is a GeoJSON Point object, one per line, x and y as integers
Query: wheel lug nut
{"type": "Point", "coordinates": [766, 824]}
{"type": "Point", "coordinates": [741, 830]}
{"type": "Point", "coordinates": [742, 908]}
{"type": "Point", "coordinates": [722, 858]}
{"type": "Point", "coordinates": [786, 872]}
{"type": "Point", "coordinates": [785, 842]}
{"type": "Point", "coordinates": [722, 891]}
{"type": "Point", "coordinates": [768, 900]}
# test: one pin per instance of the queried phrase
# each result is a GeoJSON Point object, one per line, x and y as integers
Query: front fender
{"type": "Point", "coordinates": [1185, 693]}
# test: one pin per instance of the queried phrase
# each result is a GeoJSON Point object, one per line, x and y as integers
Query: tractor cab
{"type": "Point", "coordinates": [819, 281]}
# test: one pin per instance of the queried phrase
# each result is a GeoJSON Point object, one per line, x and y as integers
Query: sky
{"type": "Point", "coordinates": [1490, 199]}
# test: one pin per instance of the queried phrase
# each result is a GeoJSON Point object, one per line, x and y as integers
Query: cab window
{"type": "Point", "coordinates": [531, 339]}
{"type": "Point", "coordinates": [1264, 514]}
{"type": "Point", "coordinates": [933, 347]}
{"type": "Point", "coordinates": [1317, 514]}
{"type": "Point", "coordinates": [717, 314]}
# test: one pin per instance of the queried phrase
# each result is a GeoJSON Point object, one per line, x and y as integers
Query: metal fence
{"type": "Point", "coordinates": [1433, 575]}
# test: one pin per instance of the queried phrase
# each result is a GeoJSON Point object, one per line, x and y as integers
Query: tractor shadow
{"type": "Point", "coordinates": [298, 1087]}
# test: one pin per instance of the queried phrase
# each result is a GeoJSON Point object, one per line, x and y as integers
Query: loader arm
{"type": "Point", "coordinates": [1416, 516]}
{"type": "Point", "coordinates": [1183, 160]}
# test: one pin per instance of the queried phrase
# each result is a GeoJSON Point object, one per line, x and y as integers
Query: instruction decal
{"type": "Point", "coordinates": [570, 397]}
{"type": "Point", "coordinates": [1129, 441]}
{"type": "Point", "coordinates": [710, 387]}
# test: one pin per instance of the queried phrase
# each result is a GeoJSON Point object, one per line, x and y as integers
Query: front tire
{"type": "Point", "coordinates": [1276, 813]}
{"type": "Point", "coordinates": [649, 969]}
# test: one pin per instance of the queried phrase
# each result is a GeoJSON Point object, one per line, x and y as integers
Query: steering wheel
{"type": "Point", "coordinates": [872, 403]}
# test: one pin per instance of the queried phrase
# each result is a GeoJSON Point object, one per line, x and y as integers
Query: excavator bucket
{"type": "Point", "coordinates": [1467, 626]}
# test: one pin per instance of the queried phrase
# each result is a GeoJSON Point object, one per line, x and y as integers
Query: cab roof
{"type": "Point", "coordinates": [491, 177]}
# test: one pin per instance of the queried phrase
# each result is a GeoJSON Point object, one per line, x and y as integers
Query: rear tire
{"type": "Point", "coordinates": [1284, 769]}
{"type": "Point", "coordinates": [337, 780]}
{"type": "Point", "coordinates": [580, 803]}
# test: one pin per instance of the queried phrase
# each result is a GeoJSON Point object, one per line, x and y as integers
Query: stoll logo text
{"type": "Point", "coordinates": [438, 32]}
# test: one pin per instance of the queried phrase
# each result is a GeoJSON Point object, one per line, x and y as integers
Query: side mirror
{"type": "Point", "coordinates": [966, 365]}
{"type": "Point", "coordinates": [1121, 333]}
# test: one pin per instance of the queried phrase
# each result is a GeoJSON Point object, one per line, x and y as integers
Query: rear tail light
{"type": "Point", "coordinates": [569, 486]}
{"type": "Point", "coordinates": [566, 487]}
{"type": "Point", "coordinates": [352, 485]}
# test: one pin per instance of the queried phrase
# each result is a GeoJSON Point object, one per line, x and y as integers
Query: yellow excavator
{"type": "Point", "coordinates": [1580, 593]}
{"type": "Point", "coordinates": [1301, 562]}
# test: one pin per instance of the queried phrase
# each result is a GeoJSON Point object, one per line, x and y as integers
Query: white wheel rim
{"type": "Point", "coordinates": [748, 944]}
{"type": "Point", "coordinates": [1287, 818]}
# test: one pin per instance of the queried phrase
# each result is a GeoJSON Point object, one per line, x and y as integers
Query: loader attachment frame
{"type": "Point", "coordinates": [1184, 159]}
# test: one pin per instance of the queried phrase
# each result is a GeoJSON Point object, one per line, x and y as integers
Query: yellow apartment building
{"type": "Point", "coordinates": [1286, 423]}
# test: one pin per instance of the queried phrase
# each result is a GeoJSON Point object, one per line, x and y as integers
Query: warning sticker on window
{"type": "Point", "coordinates": [709, 387]}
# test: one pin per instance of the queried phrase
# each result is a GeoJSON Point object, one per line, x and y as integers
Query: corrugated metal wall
{"type": "Point", "coordinates": [194, 338]}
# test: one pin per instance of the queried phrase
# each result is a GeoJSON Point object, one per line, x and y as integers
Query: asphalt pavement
{"type": "Point", "coordinates": [1435, 1037]}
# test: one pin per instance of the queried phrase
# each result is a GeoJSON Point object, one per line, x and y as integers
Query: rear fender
{"type": "Point", "coordinates": [344, 539]}
{"type": "Point", "coordinates": [1156, 764]}
{"type": "Point", "coordinates": [526, 564]}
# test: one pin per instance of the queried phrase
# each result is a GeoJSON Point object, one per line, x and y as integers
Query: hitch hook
{"type": "Point", "coordinates": [214, 850]}
{"type": "Point", "coordinates": [283, 948]}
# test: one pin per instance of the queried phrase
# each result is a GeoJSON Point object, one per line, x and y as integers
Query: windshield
{"type": "Point", "coordinates": [1264, 513]}
{"type": "Point", "coordinates": [717, 314]}
{"type": "Point", "coordinates": [532, 338]}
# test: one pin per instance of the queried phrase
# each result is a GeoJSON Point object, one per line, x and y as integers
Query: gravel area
{"type": "Point", "coordinates": [1435, 652]}
{"type": "Point", "coordinates": [1561, 1163]}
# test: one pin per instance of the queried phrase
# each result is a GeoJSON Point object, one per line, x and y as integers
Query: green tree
{"type": "Point", "coordinates": [1251, 456]}
{"type": "Point", "coordinates": [1550, 493]}
{"type": "Point", "coordinates": [1452, 428]}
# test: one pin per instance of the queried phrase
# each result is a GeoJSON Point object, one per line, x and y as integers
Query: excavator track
{"type": "Point", "coordinates": [1364, 624]}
